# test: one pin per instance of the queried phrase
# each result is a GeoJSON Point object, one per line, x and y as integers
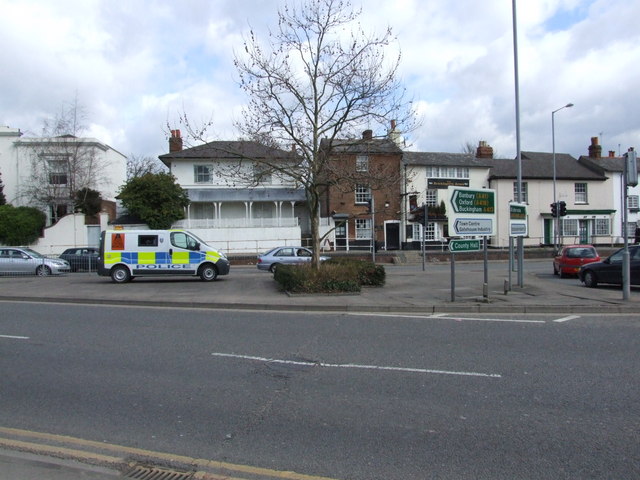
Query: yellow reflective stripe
{"type": "Point", "coordinates": [112, 257]}
{"type": "Point", "coordinates": [147, 258]}
{"type": "Point", "coordinates": [180, 257]}
{"type": "Point", "coordinates": [213, 256]}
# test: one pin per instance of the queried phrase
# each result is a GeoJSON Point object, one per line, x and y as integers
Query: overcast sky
{"type": "Point", "coordinates": [135, 64]}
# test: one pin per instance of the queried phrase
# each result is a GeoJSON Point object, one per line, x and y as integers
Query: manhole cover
{"type": "Point", "coordinates": [144, 472]}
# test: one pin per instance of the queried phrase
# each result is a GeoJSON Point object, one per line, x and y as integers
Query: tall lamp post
{"type": "Point", "coordinates": [553, 146]}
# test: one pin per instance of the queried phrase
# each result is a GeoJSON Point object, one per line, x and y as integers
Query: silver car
{"type": "Point", "coordinates": [24, 261]}
{"type": "Point", "coordinates": [285, 256]}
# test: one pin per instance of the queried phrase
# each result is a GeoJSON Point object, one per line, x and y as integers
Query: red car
{"type": "Point", "coordinates": [571, 257]}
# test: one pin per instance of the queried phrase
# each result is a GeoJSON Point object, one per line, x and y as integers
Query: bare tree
{"type": "Point", "coordinates": [138, 166]}
{"type": "Point", "coordinates": [61, 163]}
{"type": "Point", "coordinates": [320, 78]}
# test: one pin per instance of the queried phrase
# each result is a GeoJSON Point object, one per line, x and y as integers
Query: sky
{"type": "Point", "coordinates": [135, 65]}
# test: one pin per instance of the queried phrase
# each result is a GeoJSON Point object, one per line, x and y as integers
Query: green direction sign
{"type": "Point", "coordinates": [464, 246]}
{"type": "Point", "coordinates": [517, 211]}
{"type": "Point", "coordinates": [474, 201]}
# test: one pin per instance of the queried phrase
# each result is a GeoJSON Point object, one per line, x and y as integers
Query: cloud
{"type": "Point", "coordinates": [135, 65]}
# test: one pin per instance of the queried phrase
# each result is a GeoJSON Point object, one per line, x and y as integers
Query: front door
{"type": "Point", "coordinates": [341, 235]}
{"type": "Point", "coordinates": [583, 230]}
{"type": "Point", "coordinates": [392, 235]}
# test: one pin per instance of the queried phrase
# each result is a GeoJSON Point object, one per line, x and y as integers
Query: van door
{"type": "Point", "coordinates": [184, 251]}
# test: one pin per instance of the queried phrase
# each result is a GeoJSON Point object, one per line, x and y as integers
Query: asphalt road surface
{"type": "Point", "coordinates": [344, 396]}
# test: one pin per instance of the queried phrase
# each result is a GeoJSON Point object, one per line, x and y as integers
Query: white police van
{"type": "Point", "coordinates": [125, 254]}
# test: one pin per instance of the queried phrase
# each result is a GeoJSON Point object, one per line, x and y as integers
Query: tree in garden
{"type": "Point", "coordinates": [137, 166]}
{"type": "Point", "coordinates": [88, 201]}
{"type": "Point", "coordinates": [154, 198]}
{"type": "Point", "coordinates": [319, 78]}
{"type": "Point", "coordinates": [20, 225]}
{"type": "Point", "coordinates": [3, 199]}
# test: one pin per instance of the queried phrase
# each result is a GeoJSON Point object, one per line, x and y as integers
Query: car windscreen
{"type": "Point", "coordinates": [33, 253]}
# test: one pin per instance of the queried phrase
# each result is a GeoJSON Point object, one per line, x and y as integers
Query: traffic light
{"type": "Point", "coordinates": [554, 209]}
{"type": "Point", "coordinates": [562, 208]}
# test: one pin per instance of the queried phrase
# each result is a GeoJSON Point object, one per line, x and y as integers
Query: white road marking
{"type": "Point", "coordinates": [566, 319]}
{"type": "Point", "coordinates": [15, 337]}
{"type": "Point", "coordinates": [441, 316]}
{"type": "Point", "coordinates": [356, 366]}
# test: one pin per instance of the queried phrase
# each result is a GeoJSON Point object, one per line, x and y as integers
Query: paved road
{"type": "Point", "coordinates": [358, 395]}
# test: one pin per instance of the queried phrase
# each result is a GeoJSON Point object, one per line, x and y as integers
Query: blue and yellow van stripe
{"type": "Point", "coordinates": [159, 258]}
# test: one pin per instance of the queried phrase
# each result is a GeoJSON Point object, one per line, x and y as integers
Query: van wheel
{"type": "Point", "coordinates": [208, 273]}
{"type": "Point", "coordinates": [120, 275]}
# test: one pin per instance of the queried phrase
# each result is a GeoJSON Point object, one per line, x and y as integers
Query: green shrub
{"type": "Point", "coordinates": [340, 276]}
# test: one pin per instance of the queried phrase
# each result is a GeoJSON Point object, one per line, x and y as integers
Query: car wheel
{"type": "Point", "coordinates": [120, 274]}
{"type": "Point", "coordinates": [43, 271]}
{"type": "Point", "coordinates": [555, 270]}
{"type": "Point", "coordinates": [562, 274]}
{"type": "Point", "coordinates": [274, 267]}
{"type": "Point", "coordinates": [589, 278]}
{"type": "Point", "coordinates": [208, 273]}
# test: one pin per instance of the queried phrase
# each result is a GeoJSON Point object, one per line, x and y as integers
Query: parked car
{"type": "Point", "coordinates": [24, 261]}
{"type": "Point", "coordinates": [272, 259]}
{"type": "Point", "coordinates": [571, 257]}
{"type": "Point", "coordinates": [81, 258]}
{"type": "Point", "coordinates": [610, 269]}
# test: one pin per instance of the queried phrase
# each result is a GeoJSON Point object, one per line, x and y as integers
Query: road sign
{"type": "Point", "coordinates": [472, 226]}
{"type": "Point", "coordinates": [518, 225]}
{"type": "Point", "coordinates": [466, 200]}
{"type": "Point", "coordinates": [473, 212]}
{"type": "Point", "coordinates": [464, 246]}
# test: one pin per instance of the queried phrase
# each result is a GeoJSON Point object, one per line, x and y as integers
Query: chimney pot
{"type": "Point", "coordinates": [175, 142]}
{"type": "Point", "coordinates": [367, 135]}
{"type": "Point", "coordinates": [612, 154]}
{"type": "Point", "coordinates": [484, 150]}
{"type": "Point", "coordinates": [595, 150]}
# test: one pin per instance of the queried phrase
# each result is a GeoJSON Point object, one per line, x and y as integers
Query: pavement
{"type": "Point", "coordinates": [434, 288]}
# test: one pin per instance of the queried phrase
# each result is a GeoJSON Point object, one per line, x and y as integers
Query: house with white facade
{"type": "Point", "coordinates": [612, 167]}
{"type": "Point", "coordinates": [239, 203]}
{"type": "Point", "coordinates": [428, 175]}
{"type": "Point", "coordinates": [45, 172]}
{"type": "Point", "coordinates": [586, 193]}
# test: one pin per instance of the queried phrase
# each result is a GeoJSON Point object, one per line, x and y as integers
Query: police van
{"type": "Point", "coordinates": [125, 254]}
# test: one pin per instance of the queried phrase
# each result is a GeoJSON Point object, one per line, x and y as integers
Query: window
{"type": "Point", "coordinates": [285, 252]}
{"type": "Point", "coordinates": [362, 163]}
{"type": "Point", "coordinates": [581, 193]}
{"type": "Point", "coordinates": [182, 240]}
{"type": "Point", "coordinates": [430, 231]}
{"type": "Point", "coordinates": [262, 174]}
{"type": "Point", "coordinates": [525, 192]}
{"type": "Point", "coordinates": [432, 198]}
{"type": "Point", "coordinates": [147, 240]}
{"type": "Point", "coordinates": [601, 226]}
{"type": "Point", "coordinates": [363, 193]}
{"type": "Point", "coordinates": [632, 202]}
{"type": "Point", "coordinates": [569, 227]}
{"type": "Point", "coordinates": [202, 174]}
{"type": "Point", "coordinates": [58, 171]}
{"type": "Point", "coordinates": [447, 172]}
{"type": "Point", "coordinates": [416, 233]}
{"type": "Point", "coordinates": [363, 228]}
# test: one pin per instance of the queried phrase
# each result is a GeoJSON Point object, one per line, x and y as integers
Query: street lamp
{"type": "Point", "coordinates": [553, 146]}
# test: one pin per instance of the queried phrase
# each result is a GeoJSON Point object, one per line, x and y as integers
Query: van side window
{"type": "Point", "coordinates": [182, 240]}
{"type": "Point", "coordinates": [147, 240]}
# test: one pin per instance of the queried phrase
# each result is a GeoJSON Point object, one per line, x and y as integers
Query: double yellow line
{"type": "Point", "coordinates": [76, 448]}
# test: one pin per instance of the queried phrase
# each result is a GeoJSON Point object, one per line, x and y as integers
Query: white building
{"type": "Point", "coordinates": [46, 172]}
{"type": "Point", "coordinates": [238, 203]}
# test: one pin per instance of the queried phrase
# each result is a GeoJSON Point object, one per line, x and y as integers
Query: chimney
{"type": "Point", "coordinates": [484, 150]}
{"type": "Point", "coordinates": [367, 135]}
{"type": "Point", "coordinates": [612, 154]}
{"type": "Point", "coordinates": [175, 142]}
{"type": "Point", "coordinates": [394, 135]}
{"type": "Point", "coordinates": [595, 150]}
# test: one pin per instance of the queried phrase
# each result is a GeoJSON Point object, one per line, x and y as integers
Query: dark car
{"type": "Point", "coordinates": [81, 258]}
{"type": "Point", "coordinates": [285, 256]}
{"type": "Point", "coordinates": [610, 269]}
{"type": "Point", "coordinates": [571, 257]}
